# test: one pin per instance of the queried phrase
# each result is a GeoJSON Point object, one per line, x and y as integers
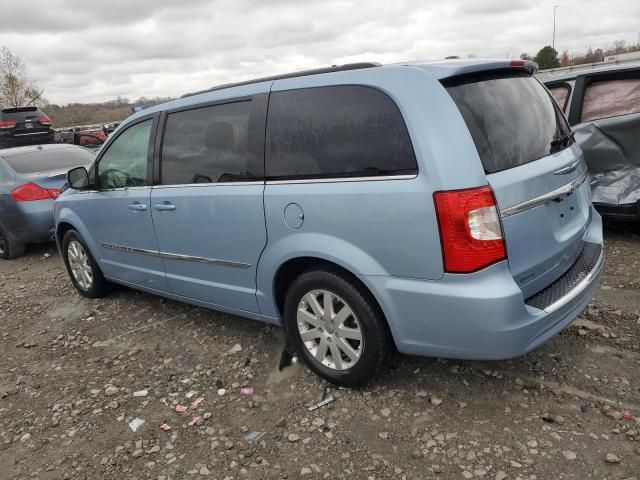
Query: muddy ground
{"type": "Point", "coordinates": [69, 368]}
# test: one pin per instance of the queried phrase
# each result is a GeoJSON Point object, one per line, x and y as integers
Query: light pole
{"type": "Point", "coordinates": [553, 42]}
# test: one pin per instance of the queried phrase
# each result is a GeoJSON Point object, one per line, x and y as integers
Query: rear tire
{"type": "Point", "coordinates": [349, 345]}
{"type": "Point", "coordinates": [9, 247]}
{"type": "Point", "coordinates": [84, 272]}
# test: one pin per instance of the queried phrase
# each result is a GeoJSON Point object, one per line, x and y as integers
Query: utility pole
{"type": "Point", "coordinates": [553, 43]}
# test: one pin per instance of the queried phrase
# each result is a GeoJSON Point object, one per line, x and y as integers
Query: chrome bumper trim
{"type": "Point", "coordinates": [542, 199]}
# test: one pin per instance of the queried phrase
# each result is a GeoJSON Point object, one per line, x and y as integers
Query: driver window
{"type": "Point", "coordinates": [124, 164]}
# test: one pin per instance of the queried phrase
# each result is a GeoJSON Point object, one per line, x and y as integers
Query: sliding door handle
{"type": "Point", "coordinates": [137, 207]}
{"type": "Point", "coordinates": [164, 206]}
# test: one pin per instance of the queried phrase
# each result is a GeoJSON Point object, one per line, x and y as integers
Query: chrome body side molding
{"type": "Point", "coordinates": [177, 256]}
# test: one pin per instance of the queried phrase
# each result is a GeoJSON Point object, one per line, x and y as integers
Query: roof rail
{"type": "Point", "coordinates": [302, 73]}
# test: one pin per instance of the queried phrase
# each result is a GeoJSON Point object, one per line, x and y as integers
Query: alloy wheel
{"type": "Point", "coordinates": [79, 264]}
{"type": "Point", "coordinates": [330, 330]}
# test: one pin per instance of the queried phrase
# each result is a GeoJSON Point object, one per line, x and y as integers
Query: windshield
{"type": "Point", "coordinates": [511, 116]}
{"type": "Point", "coordinates": [49, 160]}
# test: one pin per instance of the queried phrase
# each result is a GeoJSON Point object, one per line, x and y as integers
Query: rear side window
{"type": "Point", "coordinates": [610, 98]}
{"type": "Point", "coordinates": [560, 94]}
{"type": "Point", "coordinates": [49, 160]}
{"type": "Point", "coordinates": [219, 143]}
{"type": "Point", "coordinates": [336, 131]}
{"type": "Point", "coordinates": [510, 116]}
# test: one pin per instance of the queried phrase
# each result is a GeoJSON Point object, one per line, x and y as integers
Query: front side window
{"type": "Point", "coordinates": [337, 131]}
{"type": "Point", "coordinates": [124, 164]}
{"type": "Point", "coordinates": [212, 145]}
{"type": "Point", "coordinates": [611, 98]}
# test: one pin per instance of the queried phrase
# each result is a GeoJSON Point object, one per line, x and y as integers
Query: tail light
{"type": "Point", "coordinates": [30, 192]}
{"type": "Point", "coordinates": [7, 124]}
{"type": "Point", "coordinates": [470, 229]}
{"type": "Point", "coordinates": [44, 120]}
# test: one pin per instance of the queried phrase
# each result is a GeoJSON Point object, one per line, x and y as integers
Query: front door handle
{"type": "Point", "coordinates": [164, 206]}
{"type": "Point", "coordinates": [137, 207]}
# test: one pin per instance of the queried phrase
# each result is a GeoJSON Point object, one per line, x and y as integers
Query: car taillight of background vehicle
{"type": "Point", "coordinates": [7, 124]}
{"type": "Point", "coordinates": [470, 229]}
{"type": "Point", "coordinates": [44, 121]}
{"type": "Point", "coordinates": [30, 192]}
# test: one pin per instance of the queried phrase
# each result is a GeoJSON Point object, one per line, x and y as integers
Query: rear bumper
{"type": "Point", "coordinates": [481, 316]}
{"type": "Point", "coordinates": [29, 221]}
{"type": "Point", "coordinates": [629, 211]}
{"type": "Point", "coordinates": [8, 139]}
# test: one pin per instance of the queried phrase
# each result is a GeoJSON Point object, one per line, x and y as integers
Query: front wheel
{"type": "Point", "coordinates": [84, 272]}
{"type": "Point", "coordinates": [336, 327]}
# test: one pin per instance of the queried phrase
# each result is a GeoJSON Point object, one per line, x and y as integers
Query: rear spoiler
{"type": "Point", "coordinates": [19, 109]}
{"type": "Point", "coordinates": [455, 68]}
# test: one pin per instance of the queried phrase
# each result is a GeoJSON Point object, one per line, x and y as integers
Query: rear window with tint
{"type": "Point", "coordinates": [610, 98]}
{"type": "Point", "coordinates": [511, 117]}
{"type": "Point", "coordinates": [560, 94]}
{"type": "Point", "coordinates": [336, 131]}
{"type": "Point", "coordinates": [49, 160]}
{"type": "Point", "coordinates": [17, 114]}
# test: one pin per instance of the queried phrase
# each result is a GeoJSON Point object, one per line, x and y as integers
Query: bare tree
{"type": "Point", "coordinates": [16, 88]}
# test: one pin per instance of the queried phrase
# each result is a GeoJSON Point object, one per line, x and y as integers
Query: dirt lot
{"type": "Point", "coordinates": [70, 367]}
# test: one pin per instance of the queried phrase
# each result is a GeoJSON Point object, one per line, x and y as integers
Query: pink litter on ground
{"type": "Point", "coordinates": [165, 427]}
{"type": "Point", "coordinates": [180, 408]}
{"type": "Point", "coordinates": [246, 391]}
{"type": "Point", "coordinates": [164, 401]}
{"type": "Point", "coordinates": [197, 401]}
{"type": "Point", "coordinates": [627, 415]}
{"type": "Point", "coordinates": [194, 421]}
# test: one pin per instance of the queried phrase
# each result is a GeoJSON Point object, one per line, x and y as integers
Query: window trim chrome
{"type": "Point", "coordinates": [542, 199]}
{"type": "Point", "coordinates": [212, 184]}
{"type": "Point", "coordinates": [343, 179]}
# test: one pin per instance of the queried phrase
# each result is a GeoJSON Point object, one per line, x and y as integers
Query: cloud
{"type": "Point", "coordinates": [81, 51]}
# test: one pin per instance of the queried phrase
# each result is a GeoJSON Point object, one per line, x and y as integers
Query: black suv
{"type": "Point", "coordinates": [24, 126]}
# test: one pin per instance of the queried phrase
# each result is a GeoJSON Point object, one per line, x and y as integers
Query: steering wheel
{"type": "Point", "coordinates": [115, 178]}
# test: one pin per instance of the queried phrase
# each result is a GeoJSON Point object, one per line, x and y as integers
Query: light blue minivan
{"type": "Point", "coordinates": [440, 209]}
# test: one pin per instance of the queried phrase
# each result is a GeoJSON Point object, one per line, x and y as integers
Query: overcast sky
{"type": "Point", "coordinates": [82, 51]}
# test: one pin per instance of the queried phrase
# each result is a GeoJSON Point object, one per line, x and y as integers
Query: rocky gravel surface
{"type": "Point", "coordinates": [78, 376]}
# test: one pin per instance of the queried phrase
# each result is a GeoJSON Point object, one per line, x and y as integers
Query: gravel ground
{"type": "Point", "coordinates": [71, 367]}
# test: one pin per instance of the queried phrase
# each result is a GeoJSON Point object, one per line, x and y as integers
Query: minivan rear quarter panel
{"type": "Point", "coordinates": [373, 227]}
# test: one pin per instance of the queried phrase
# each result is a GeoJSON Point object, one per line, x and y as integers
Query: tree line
{"type": "Point", "coordinates": [548, 57]}
{"type": "Point", "coordinates": [18, 89]}
{"type": "Point", "coordinates": [75, 114]}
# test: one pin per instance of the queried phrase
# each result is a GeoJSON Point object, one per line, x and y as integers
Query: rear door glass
{"type": "Point", "coordinates": [336, 131]}
{"type": "Point", "coordinates": [213, 144]}
{"type": "Point", "coordinates": [49, 160]}
{"type": "Point", "coordinates": [560, 94]}
{"type": "Point", "coordinates": [510, 115]}
{"type": "Point", "coordinates": [611, 98]}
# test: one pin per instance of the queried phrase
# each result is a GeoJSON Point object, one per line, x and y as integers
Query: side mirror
{"type": "Point", "coordinates": [78, 178]}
